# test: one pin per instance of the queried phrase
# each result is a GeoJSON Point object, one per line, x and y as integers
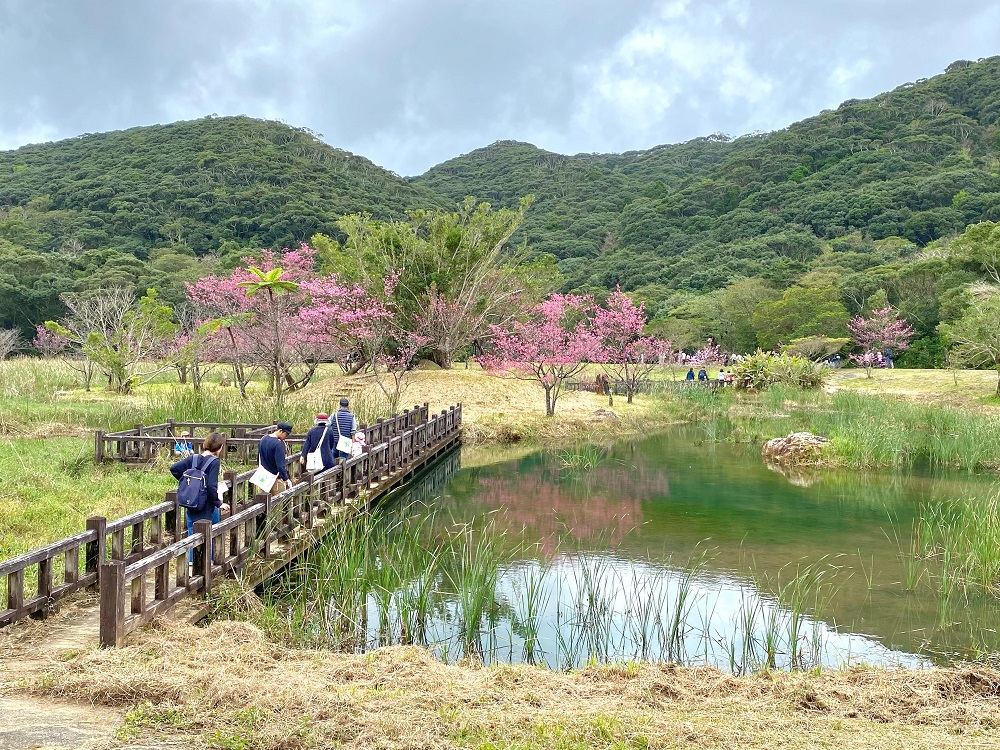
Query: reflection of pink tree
{"type": "Point", "coordinates": [882, 331]}
{"type": "Point", "coordinates": [582, 509]}
{"type": "Point", "coordinates": [553, 346]}
{"type": "Point", "coordinates": [628, 355]}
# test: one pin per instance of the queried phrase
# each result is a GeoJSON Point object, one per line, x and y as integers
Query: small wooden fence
{"type": "Point", "coordinates": [132, 542]}
{"type": "Point", "coordinates": [143, 443]}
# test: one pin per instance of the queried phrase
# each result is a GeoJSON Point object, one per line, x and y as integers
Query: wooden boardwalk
{"type": "Point", "coordinates": [139, 564]}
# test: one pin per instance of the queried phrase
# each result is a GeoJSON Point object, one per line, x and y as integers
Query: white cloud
{"type": "Point", "coordinates": [410, 83]}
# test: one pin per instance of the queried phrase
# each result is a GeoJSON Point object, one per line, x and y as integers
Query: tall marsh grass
{"type": "Point", "coordinates": [405, 577]}
{"type": "Point", "coordinates": [963, 538]}
{"type": "Point", "coordinates": [867, 431]}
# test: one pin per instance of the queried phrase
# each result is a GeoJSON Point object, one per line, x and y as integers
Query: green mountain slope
{"type": "Point", "coordinates": [152, 206]}
{"type": "Point", "coordinates": [919, 162]}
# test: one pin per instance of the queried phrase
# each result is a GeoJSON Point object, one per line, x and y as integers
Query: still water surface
{"type": "Point", "coordinates": [672, 548]}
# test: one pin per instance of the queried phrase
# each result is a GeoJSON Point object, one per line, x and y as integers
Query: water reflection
{"type": "Point", "coordinates": [672, 549]}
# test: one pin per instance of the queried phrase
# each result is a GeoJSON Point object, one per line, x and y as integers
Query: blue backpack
{"type": "Point", "coordinates": [192, 491]}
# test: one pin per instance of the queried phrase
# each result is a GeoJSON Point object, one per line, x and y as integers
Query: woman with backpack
{"type": "Point", "coordinates": [198, 483]}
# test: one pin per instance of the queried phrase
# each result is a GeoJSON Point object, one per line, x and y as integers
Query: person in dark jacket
{"type": "Point", "coordinates": [344, 423]}
{"type": "Point", "coordinates": [328, 446]}
{"type": "Point", "coordinates": [210, 464]}
{"type": "Point", "coordinates": [271, 454]}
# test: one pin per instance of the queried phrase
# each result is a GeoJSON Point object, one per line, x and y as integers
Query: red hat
{"type": "Point", "coordinates": [321, 417]}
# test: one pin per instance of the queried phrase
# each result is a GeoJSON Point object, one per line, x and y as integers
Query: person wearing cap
{"type": "Point", "coordinates": [183, 445]}
{"type": "Point", "coordinates": [322, 436]}
{"type": "Point", "coordinates": [344, 424]}
{"type": "Point", "coordinates": [271, 454]}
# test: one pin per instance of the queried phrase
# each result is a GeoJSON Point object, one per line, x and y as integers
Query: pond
{"type": "Point", "coordinates": [664, 548]}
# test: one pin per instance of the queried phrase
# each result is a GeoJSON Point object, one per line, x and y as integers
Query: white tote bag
{"type": "Point", "coordinates": [263, 479]}
{"type": "Point", "coordinates": [314, 459]}
{"type": "Point", "coordinates": [344, 442]}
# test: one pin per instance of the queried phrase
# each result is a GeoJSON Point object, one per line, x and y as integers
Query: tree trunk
{"type": "Point", "coordinates": [240, 379]}
{"type": "Point", "coordinates": [550, 403]}
{"type": "Point", "coordinates": [441, 358]}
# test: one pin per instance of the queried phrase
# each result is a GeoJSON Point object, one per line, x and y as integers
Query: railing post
{"type": "Point", "coordinates": [230, 478]}
{"type": "Point", "coordinates": [99, 447]}
{"type": "Point", "coordinates": [96, 550]}
{"type": "Point", "coordinates": [172, 518]}
{"type": "Point", "coordinates": [204, 527]}
{"type": "Point", "coordinates": [263, 521]}
{"type": "Point", "coordinates": [306, 511]}
{"type": "Point", "coordinates": [112, 604]}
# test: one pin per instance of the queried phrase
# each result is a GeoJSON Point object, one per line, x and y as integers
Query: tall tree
{"type": "Point", "coordinates": [627, 353]}
{"type": "Point", "coordinates": [801, 311]}
{"type": "Point", "coordinates": [119, 334]}
{"type": "Point", "coordinates": [975, 337]}
{"type": "Point", "coordinates": [453, 274]}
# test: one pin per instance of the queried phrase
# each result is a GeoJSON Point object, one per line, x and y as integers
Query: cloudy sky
{"type": "Point", "coordinates": [410, 83]}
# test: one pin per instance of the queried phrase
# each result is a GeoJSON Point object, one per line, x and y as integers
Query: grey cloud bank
{"type": "Point", "coordinates": [409, 84]}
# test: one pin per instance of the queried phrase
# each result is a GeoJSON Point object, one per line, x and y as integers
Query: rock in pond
{"type": "Point", "coordinates": [797, 448]}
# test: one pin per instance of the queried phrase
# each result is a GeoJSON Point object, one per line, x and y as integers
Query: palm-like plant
{"type": "Point", "coordinates": [271, 283]}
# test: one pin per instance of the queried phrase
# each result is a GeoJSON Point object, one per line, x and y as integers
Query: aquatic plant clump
{"type": "Point", "coordinates": [759, 370]}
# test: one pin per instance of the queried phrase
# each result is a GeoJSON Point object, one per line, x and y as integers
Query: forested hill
{"type": "Point", "coordinates": [919, 162]}
{"type": "Point", "coordinates": [831, 212]}
{"type": "Point", "coordinates": [155, 206]}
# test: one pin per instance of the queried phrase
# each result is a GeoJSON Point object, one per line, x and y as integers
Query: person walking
{"type": "Point", "coordinates": [690, 375]}
{"type": "Point", "coordinates": [320, 438]}
{"type": "Point", "coordinates": [208, 462]}
{"type": "Point", "coordinates": [345, 424]}
{"type": "Point", "coordinates": [271, 456]}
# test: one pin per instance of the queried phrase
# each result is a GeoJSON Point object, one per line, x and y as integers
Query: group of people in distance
{"type": "Point", "coordinates": [334, 437]}
{"type": "Point", "coordinates": [725, 377]}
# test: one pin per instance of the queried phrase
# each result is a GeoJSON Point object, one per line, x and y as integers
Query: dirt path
{"type": "Point", "coordinates": [30, 649]}
{"type": "Point", "coordinates": [30, 724]}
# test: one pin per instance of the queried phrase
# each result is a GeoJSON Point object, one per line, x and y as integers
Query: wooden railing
{"type": "Point", "coordinates": [69, 565]}
{"type": "Point", "coordinates": [133, 594]}
{"type": "Point", "coordinates": [143, 443]}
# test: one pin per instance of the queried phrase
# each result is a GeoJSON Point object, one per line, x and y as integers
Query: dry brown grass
{"type": "Point", "coordinates": [228, 686]}
{"type": "Point", "coordinates": [500, 410]}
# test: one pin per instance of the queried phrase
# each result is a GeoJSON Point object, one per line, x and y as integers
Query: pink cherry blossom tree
{"type": "Point", "coordinates": [629, 356]}
{"type": "Point", "coordinates": [555, 344]}
{"type": "Point", "coordinates": [261, 305]}
{"type": "Point", "coordinates": [49, 343]}
{"type": "Point", "coordinates": [883, 330]}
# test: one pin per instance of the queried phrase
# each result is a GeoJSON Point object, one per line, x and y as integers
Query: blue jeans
{"type": "Point", "coordinates": [190, 527]}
